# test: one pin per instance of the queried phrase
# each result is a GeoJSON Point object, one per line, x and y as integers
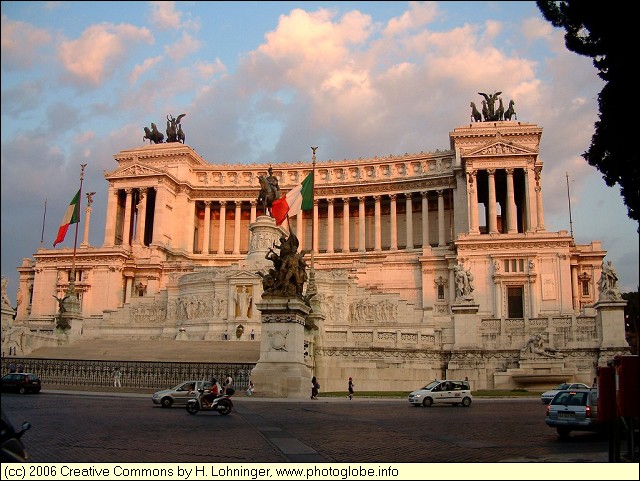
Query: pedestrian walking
{"type": "Point", "coordinates": [228, 383]}
{"type": "Point", "coordinates": [117, 376]}
{"type": "Point", "coordinates": [252, 335]}
{"type": "Point", "coordinates": [350, 388]}
{"type": "Point", "coordinates": [251, 388]}
{"type": "Point", "coordinates": [315, 388]}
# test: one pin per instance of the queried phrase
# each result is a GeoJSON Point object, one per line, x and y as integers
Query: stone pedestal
{"type": "Point", "coordinates": [72, 317]}
{"type": "Point", "coordinates": [610, 317]}
{"type": "Point", "coordinates": [466, 326]}
{"type": "Point", "coordinates": [263, 234]}
{"type": "Point", "coordinates": [281, 371]}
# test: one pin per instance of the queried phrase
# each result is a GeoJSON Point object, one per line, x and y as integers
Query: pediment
{"type": "Point", "coordinates": [499, 148]}
{"type": "Point", "coordinates": [241, 276]}
{"type": "Point", "coordinates": [135, 170]}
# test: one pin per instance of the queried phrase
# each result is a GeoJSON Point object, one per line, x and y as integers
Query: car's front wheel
{"type": "Point", "coordinates": [22, 390]}
{"type": "Point", "coordinates": [427, 402]}
{"type": "Point", "coordinates": [466, 402]}
{"type": "Point", "coordinates": [166, 402]}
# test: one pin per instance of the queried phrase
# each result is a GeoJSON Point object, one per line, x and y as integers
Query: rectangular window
{"type": "Point", "coordinates": [585, 288]}
{"type": "Point", "coordinates": [440, 292]}
{"type": "Point", "coordinates": [514, 265]}
{"type": "Point", "coordinates": [521, 265]}
{"type": "Point", "coordinates": [515, 302]}
{"type": "Point", "coordinates": [506, 265]}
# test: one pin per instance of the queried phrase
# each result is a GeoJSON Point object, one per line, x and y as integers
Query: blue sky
{"type": "Point", "coordinates": [262, 81]}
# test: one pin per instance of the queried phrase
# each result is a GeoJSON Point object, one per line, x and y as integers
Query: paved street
{"type": "Point", "coordinates": [86, 427]}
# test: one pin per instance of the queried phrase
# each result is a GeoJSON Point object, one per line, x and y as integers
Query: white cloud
{"type": "Point", "coordinates": [21, 43]}
{"type": "Point", "coordinates": [99, 51]}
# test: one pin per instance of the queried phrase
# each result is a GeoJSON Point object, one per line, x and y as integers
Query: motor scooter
{"type": "Point", "coordinates": [12, 449]}
{"type": "Point", "coordinates": [222, 403]}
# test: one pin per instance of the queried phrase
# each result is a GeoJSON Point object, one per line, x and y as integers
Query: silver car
{"type": "Point", "coordinates": [546, 397]}
{"type": "Point", "coordinates": [179, 394]}
{"type": "Point", "coordinates": [573, 410]}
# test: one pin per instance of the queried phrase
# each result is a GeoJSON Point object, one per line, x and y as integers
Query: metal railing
{"type": "Point", "coordinates": [143, 375]}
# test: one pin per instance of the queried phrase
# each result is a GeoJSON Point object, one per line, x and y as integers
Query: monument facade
{"type": "Point", "coordinates": [426, 265]}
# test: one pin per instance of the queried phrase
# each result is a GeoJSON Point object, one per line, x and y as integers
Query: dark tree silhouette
{"type": "Point", "coordinates": [605, 33]}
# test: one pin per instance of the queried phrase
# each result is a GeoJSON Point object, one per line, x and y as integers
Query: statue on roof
{"type": "Point", "coordinates": [174, 128]}
{"type": "Point", "coordinates": [492, 109]}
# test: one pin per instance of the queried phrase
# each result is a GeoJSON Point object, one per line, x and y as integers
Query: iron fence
{"type": "Point", "coordinates": [135, 374]}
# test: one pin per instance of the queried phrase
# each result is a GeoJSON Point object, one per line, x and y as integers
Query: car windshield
{"type": "Point", "coordinates": [431, 385]}
{"type": "Point", "coordinates": [560, 387]}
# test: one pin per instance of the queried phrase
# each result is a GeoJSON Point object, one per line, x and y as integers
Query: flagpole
{"type": "Point", "coordinates": [312, 272]}
{"type": "Point", "coordinates": [72, 282]}
{"type": "Point", "coordinates": [569, 199]}
{"type": "Point", "coordinates": [43, 219]}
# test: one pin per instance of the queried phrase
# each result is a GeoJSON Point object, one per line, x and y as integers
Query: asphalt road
{"type": "Point", "coordinates": [129, 428]}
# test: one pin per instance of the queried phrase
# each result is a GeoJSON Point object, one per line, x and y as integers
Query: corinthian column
{"type": "Point", "coordinates": [409, 216]}
{"type": "Point", "coordinates": [491, 208]}
{"type": "Point", "coordinates": [394, 223]}
{"type": "Point", "coordinates": [236, 227]}
{"type": "Point", "coordinates": [377, 224]}
{"type": "Point", "coordinates": [538, 171]}
{"type": "Point", "coordinates": [207, 227]}
{"type": "Point", "coordinates": [126, 234]}
{"type": "Point", "coordinates": [330, 226]}
{"type": "Point", "coordinates": [345, 225]}
{"type": "Point", "coordinates": [221, 233]}
{"type": "Point", "coordinates": [361, 232]}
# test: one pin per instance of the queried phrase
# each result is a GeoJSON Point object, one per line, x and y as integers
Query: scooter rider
{"type": "Point", "coordinates": [213, 392]}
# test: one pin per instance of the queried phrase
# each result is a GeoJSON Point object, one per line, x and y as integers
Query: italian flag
{"type": "Point", "coordinates": [296, 200]}
{"type": "Point", "coordinates": [71, 216]}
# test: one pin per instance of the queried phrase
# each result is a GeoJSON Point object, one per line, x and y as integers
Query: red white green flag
{"type": "Point", "coordinates": [71, 216]}
{"type": "Point", "coordinates": [296, 200]}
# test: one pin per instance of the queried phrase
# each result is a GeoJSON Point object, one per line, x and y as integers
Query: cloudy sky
{"type": "Point", "coordinates": [261, 82]}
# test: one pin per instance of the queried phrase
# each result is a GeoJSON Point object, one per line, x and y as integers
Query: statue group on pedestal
{"type": "Point", "coordinates": [289, 272]}
{"type": "Point", "coordinates": [608, 283]}
{"type": "Point", "coordinates": [174, 131]}
{"type": "Point", "coordinates": [491, 112]}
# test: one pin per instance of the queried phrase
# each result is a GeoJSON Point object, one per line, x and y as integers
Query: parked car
{"type": "Point", "coordinates": [573, 410]}
{"type": "Point", "coordinates": [546, 397]}
{"type": "Point", "coordinates": [12, 449]}
{"type": "Point", "coordinates": [179, 394]}
{"type": "Point", "coordinates": [21, 382]}
{"type": "Point", "coordinates": [444, 392]}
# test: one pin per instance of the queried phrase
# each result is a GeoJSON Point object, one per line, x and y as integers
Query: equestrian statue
{"type": "Point", "coordinates": [269, 190]}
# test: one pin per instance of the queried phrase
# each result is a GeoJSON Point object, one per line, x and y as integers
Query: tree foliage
{"type": "Point", "coordinates": [603, 32]}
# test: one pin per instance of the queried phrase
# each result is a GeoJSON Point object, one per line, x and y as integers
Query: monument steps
{"type": "Point", "coordinates": [160, 350]}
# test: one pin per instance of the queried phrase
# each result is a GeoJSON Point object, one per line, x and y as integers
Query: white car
{"type": "Point", "coordinates": [179, 394]}
{"type": "Point", "coordinates": [442, 392]}
{"type": "Point", "coordinates": [546, 397]}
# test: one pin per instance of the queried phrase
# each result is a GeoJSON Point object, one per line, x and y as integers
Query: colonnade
{"type": "Point", "coordinates": [333, 231]}
{"type": "Point", "coordinates": [484, 188]}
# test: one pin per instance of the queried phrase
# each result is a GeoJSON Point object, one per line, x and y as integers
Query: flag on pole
{"type": "Point", "coordinates": [296, 200]}
{"type": "Point", "coordinates": [71, 216]}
